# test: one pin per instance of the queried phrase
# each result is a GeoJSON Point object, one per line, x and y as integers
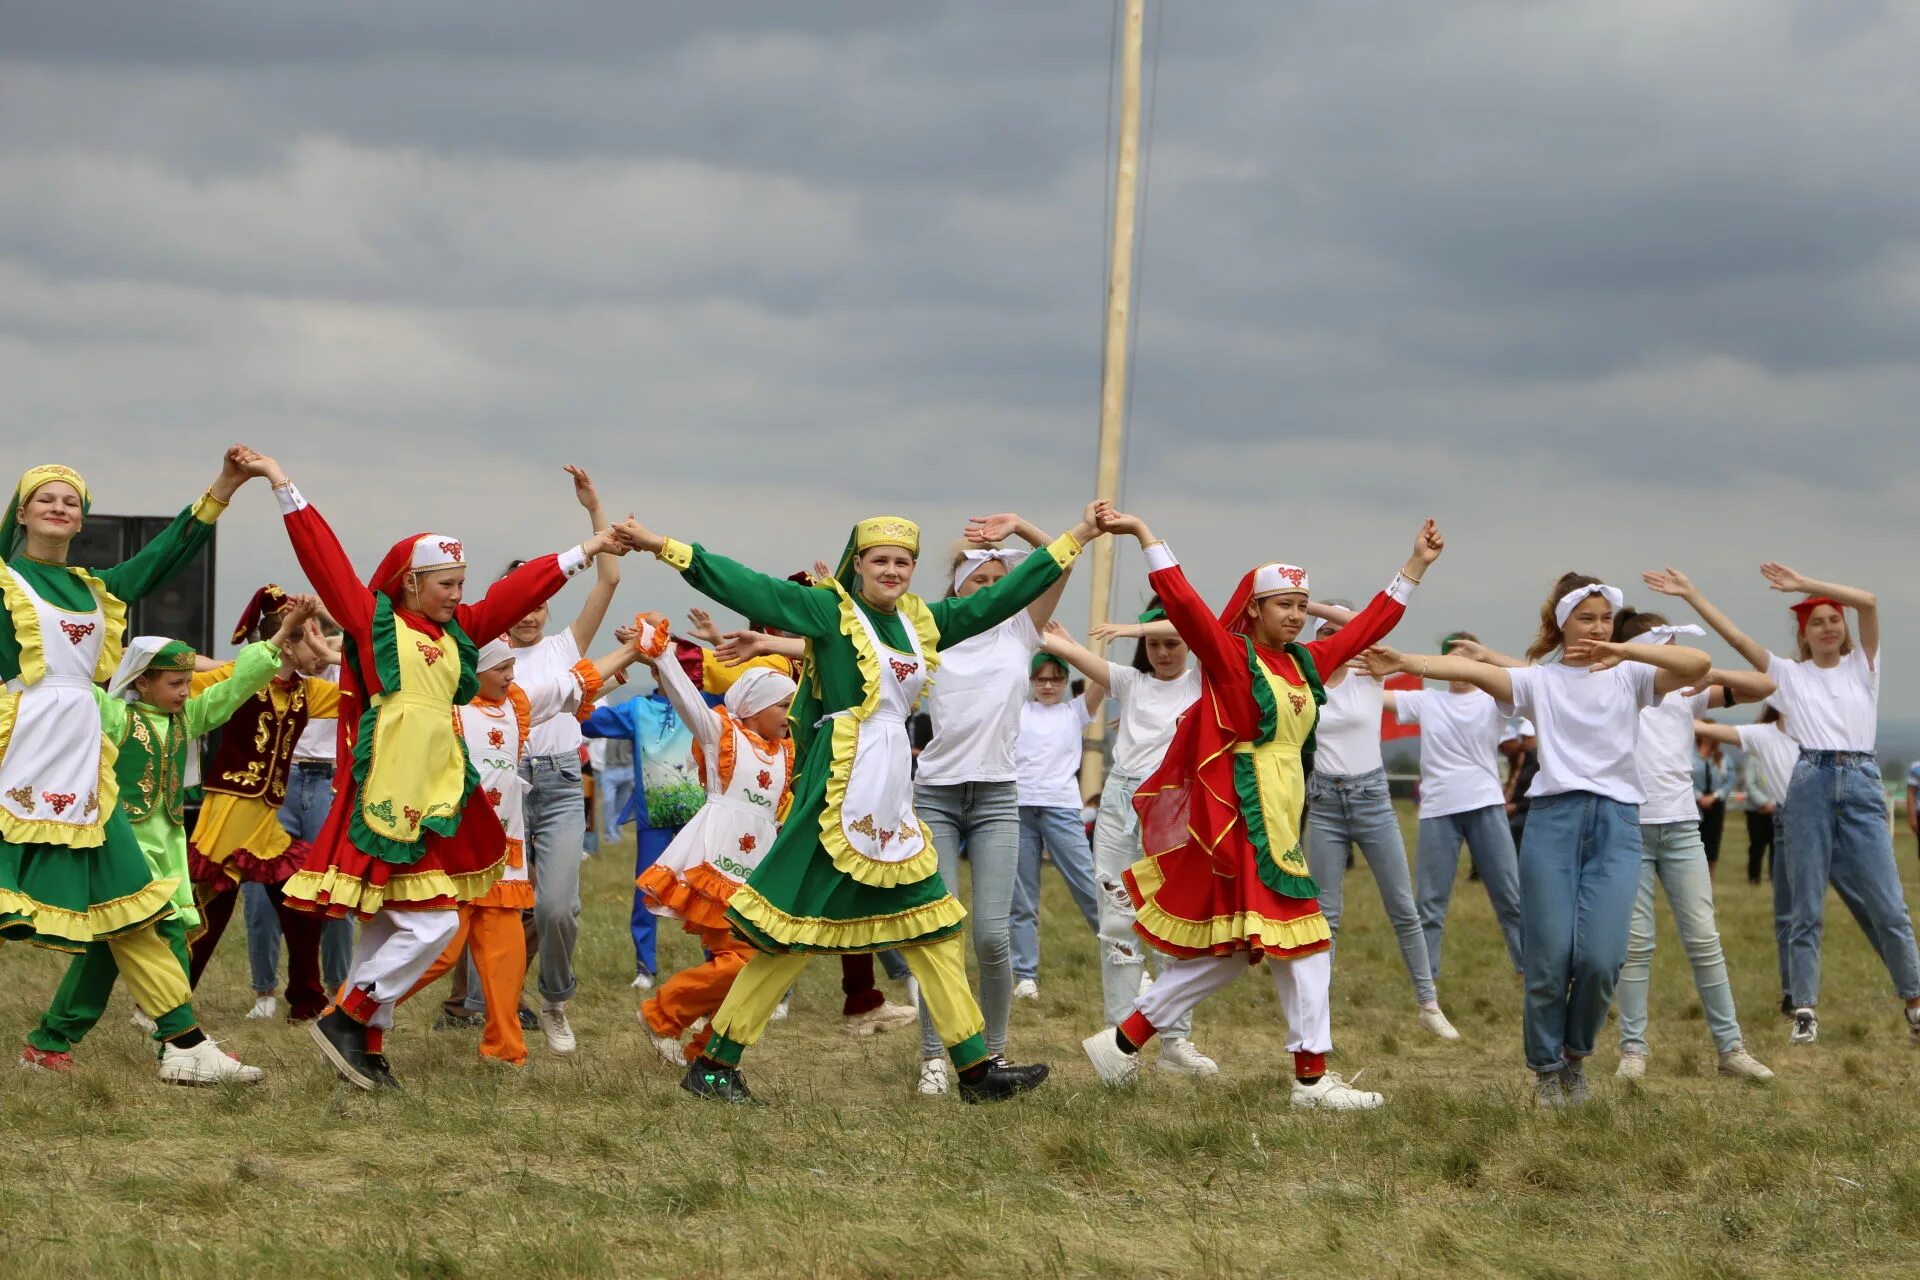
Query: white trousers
{"type": "Point", "coordinates": [1302, 986]}
{"type": "Point", "coordinates": [394, 951]}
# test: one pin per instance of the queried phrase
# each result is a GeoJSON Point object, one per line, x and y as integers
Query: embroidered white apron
{"type": "Point", "coordinates": [50, 772]}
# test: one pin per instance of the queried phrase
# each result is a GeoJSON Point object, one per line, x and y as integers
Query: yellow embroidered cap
{"type": "Point", "coordinates": [887, 531]}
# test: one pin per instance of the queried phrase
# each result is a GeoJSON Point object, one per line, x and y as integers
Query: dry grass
{"type": "Point", "coordinates": [599, 1167]}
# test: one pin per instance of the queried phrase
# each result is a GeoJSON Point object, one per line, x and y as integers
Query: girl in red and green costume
{"type": "Point", "coordinates": [853, 868]}
{"type": "Point", "coordinates": [1224, 883]}
{"type": "Point", "coordinates": [410, 836]}
{"type": "Point", "coordinates": [72, 875]}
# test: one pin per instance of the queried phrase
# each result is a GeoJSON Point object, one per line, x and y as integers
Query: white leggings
{"type": "Point", "coordinates": [395, 950]}
{"type": "Point", "coordinates": [1300, 984]}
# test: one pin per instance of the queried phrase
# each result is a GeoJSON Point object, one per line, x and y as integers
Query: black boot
{"type": "Point", "coordinates": [344, 1042]}
{"type": "Point", "coordinates": [995, 1081]}
{"type": "Point", "coordinates": [381, 1074]}
{"type": "Point", "coordinates": [706, 1078]}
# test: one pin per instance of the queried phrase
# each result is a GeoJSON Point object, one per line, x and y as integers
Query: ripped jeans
{"type": "Point", "coordinates": [1116, 846]}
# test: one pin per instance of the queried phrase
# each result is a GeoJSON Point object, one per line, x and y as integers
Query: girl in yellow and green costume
{"type": "Point", "coordinates": [150, 715]}
{"type": "Point", "coordinates": [72, 874]}
{"type": "Point", "coordinates": [853, 869]}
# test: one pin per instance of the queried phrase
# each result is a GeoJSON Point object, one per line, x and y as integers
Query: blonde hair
{"type": "Point", "coordinates": [1550, 635]}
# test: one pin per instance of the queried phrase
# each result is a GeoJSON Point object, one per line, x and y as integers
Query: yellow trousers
{"type": "Point", "coordinates": [939, 967]}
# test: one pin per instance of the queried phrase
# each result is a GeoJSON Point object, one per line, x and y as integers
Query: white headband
{"type": "Point", "coordinates": [1665, 634]}
{"type": "Point", "coordinates": [1570, 601]}
{"type": "Point", "coordinates": [758, 689]}
{"type": "Point", "coordinates": [492, 654]}
{"type": "Point", "coordinates": [437, 551]}
{"type": "Point", "coordinates": [971, 561]}
{"type": "Point", "coordinates": [1276, 579]}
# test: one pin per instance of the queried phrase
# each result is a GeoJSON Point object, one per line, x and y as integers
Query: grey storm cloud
{"type": "Point", "coordinates": [1605, 282]}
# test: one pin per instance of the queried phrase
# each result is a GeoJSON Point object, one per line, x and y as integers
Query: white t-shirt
{"type": "Point", "coordinates": [1516, 728]}
{"type": "Point", "coordinates": [1149, 710]}
{"type": "Point", "coordinates": [1459, 748]}
{"type": "Point", "coordinates": [1666, 759]}
{"type": "Point", "coordinates": [1769, 746]}
{"type": "Point", "coordinates": [1347, 739]}
{"type": "Point", "coordinates": [978, 690]}
{"type": "Point", "coordinates": [1836, 709]}
{"type": "Point", "coordinates": [1048, 753]}
{"type": "Point", "coordinates": [546, 663]}
{"type": "Point", "coordinates": [319, 742]}
{"type": "Point", "coordinates": [1587, 724]}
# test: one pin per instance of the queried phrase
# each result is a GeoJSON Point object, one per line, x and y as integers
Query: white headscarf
{"type": "Point", "coordinates": [758, 689]}
{"type": "Point", "coordinates": [971, 561]}
{"type": "Point", "coordinates": [1571, 601]}
{"type": "Point", "coordinates": [492, 654]}
{"type": "Point", "coordinates": [1665, 634]}
{"type": "Point", "coordinates": [133, 664]}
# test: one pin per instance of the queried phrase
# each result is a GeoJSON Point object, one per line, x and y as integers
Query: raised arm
{"type": "Point", "coordinates": [606, 565]}
{"type": "Point", "coordinates": [989, 530]}
{"type": "Point", "coordinates": [1861, 601]}
{"type": "Point", "coordinates": [253, 670]}
{"type": "Point", "coordinates": [962, 617]}
{"type": "Point", "coordinates": [1061, 645]}
{"type": "Point", "coordinates": [532, 584]}
{"type": "Point", "coordinates": [686, 700]}
{"type": "Point", "coordinates": [1474, 651]}
{"type": "Point", "coordinates": [174, 547]}
{"type": "Point", "coordinates": [1671, 582]}
{"type": "Point", "coordinates": [1372, 624]}
{"type": "Point", "coordinates": [1383, 662]}
{"type": "Point", "coordinates": [322, 558]}
{"type": "Point", "coordinates": [1222, 654]}
{"type": "Point", "coordinates": [790, 606]}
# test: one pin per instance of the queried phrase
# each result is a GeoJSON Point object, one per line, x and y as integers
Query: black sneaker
{"type": "Point", "coordinates": [382, 1074]}
{"type": "Point", "coordinates": [528, 1022]}
{"type": "Point", "coordinates": [459, 1021]}
{"type": "Point", "coordinates": [1002, 1082]}
{"type": "Point", "coordinates": [344, 1042]}
{"type": "Point", "coordinates": [719, 1082]}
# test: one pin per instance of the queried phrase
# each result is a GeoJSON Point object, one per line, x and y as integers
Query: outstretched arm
{"type": "Point", "coordinates": [790, 606]}
{"type": "Point", "coordinates": [1745, 686]}
{"type": "Point", "coordinates": [1383, 662]}
{"type": "Point", "coordinates": [962, 617]}
{"type": "Point", "coordinates": [1385, 610]}
{"type": "Point", "coordinates": [986, 531]}
{"type": "Point", "coordinates": [1056, 641]}
{"type": "Point", "coordinates": [1728, 734]}
{"type": "Point", "coordinates": [1675, 666]}
{"type": "Point", "coordinates": [606, 564]}
{"type": "Point", "coordinates": [1671, 582]}
{"type": "Point", "coordinates": [532, 584]}
{"type": "Point", "coordinates": [174, 547]}
{"type": "Point", "coordinates": [1861, 601]}
{"type": "Point", "coordinates": [1222, 655]}
{"type": "Point", "coordinates": [315, 545]}
{"type": "Point", "coordinates": [1474, 651]}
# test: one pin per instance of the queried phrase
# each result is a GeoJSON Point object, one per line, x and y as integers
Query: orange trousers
{"type": "Point", "coordinates": [500, 959]}
{"type": "Point", "coordinates": [696, 993]}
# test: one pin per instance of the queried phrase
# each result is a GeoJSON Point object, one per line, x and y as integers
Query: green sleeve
{"type": "Point", "coordinates": [774, 602]}
{"type": "Point", "coordinates": [113, 715]}
{"type": "Point", "coordinates": [167, 554]}
{"type": "Point", "coordinates": [962, 617]}
{"type": "Point", "coordinates": [253, 671]}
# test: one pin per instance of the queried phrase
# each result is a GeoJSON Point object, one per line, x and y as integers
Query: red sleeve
{"type": "Point", "coordinates": [1222, 655]}
{"type": "Point", "coordinates": [511, 599]}
{"type": "Point", "coordinates": [1369, 627]}
{"type": "Point", "coordinates": [331, 573]}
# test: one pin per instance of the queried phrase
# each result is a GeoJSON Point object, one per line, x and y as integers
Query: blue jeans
{"type": "Point", "coordinates": [1836, 832]}
{"type": "Point", "coordinates": [1358, 810]}
{"type": "Point", "coordinates": [1782, 897]}
{"type": "Point", "coordinates": [1579, 874]}
{"type": "Point", "coordinates": [985, 817]}
{"type": "Point", "coordinates": [263, 939]}
{"type": "Point", "coordinates": [1674, 853]}
{"type": "Point", "coordinates": [309, 797]}
{"type": "Point", "coordinates": [611, 796]}
{"type": "Point", "coordinates": [649, 843]}
{"type": "Point", "coordinates": [1065, 837]}
{"type": "Point", "coordinates": [1489, 839]}
{"type": "Point", "coordinates": [556, 835]}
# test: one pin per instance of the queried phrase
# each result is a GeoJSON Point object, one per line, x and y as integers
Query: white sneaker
{"type": "Point", "coordinates": [781, 1010]}
{"type": "Point", "coordinates": [264, 1007]}
{"type": "Point", "coordinates": [1112, 1064]}
{"type": "Point", "coordinates": [642, 982]}
{"type": "Point", "coordinates": [142, 1021]}
{"type": "Point", "coordinates": [555, 1027]}
{"type": "Point", "coordinates": [204, 1064]}
{"type": "Point", "coordinates": [933, 1078]}
{"type": "Point", "coordinates": [1806, 1027]}
{"type": "Point", "coordinates": [885, 1017]}
{"type": "Point", "coordinates": [669, 1049]}
{"type": "Point", "coordinates": [1633, 1065]}
{"type": "Point", "coordinates": [1547, 1093]}
{"type": "Point", "coordinates": [1743, 1065]}
{"type": "Point", "coordinates": [1435, 1021]}
{"type": "Point", "coordinates": [1178, 1057]}
{"type": "Point", "coordinates": [1333, 1094]}
{"type": "Point", "coordinates": [1026, 989]}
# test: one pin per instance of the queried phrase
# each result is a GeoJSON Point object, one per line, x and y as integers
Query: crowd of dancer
{"type": "Point", "coordinates": [400, 757]}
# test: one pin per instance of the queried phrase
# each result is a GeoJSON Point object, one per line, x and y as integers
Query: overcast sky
{"type": "Point", "coordinates": [1598, 285]}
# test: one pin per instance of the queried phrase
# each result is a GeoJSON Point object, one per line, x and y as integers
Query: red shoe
{"type": "Point", "coordinates": [44, 1060]}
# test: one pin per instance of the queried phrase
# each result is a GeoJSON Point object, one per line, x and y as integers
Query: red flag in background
{"type": "Point", "coordinates": [1391, 728]}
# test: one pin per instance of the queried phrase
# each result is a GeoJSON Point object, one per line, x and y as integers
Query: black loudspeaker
{"type": "Point", "coordinates": [181, 609]}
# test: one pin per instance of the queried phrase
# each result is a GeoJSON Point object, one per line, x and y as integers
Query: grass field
{"type": "Point", "coordinates": [598, 1166]}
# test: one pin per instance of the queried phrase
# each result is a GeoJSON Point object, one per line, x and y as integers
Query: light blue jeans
{"type": "Point", "coordinates": [1489, 838]}
{"type": "Point", "coordinates": [309, 797]}
{"type": "Point", "coordinates": [610, 798]}
{"type": "Point", "coordinates": [1357, 810]}
{"type": "Point", "coordinates": [1065, 837]}
{"type": "Point", "coordinates": [1673, 852]}
{"type": "Point", "coordinates": [556, 834]}
{"type": "Point", "coordinates": [1579, 874]}
{"type": "Point", "coordinates": [1123, 954]}
{"type": "Point", "coordinates": [983, 817]}
{"type": "Point", "coordinates": [1836, 832]}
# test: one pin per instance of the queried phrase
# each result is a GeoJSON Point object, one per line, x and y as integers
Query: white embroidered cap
{"type": "Point", "coordinates": [1277, 579]}
{"type": "Point", "coordinates": [437, 551]}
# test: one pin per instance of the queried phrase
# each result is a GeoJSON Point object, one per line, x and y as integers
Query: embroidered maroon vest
{"type": "Point", "coordinates": [254, 754]}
